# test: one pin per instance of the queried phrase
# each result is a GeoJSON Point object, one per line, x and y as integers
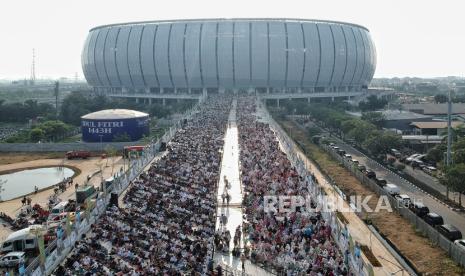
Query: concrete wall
{"type": "Point", "coordinates": [61, 147]}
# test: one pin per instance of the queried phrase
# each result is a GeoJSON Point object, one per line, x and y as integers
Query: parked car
{"type": "Point", "coordinates": [361, 167]}
{"type": "Point", "coordinates": [341, 152]}
{"type": "Point", "coordinates": [396, 153]}
{"type": "Point", "coordinates": [348, 156]}
{"type": "Point", "coordinates": [370, 174]}
{"type": "Point", "coordinates": [13, 259]}
{"type": "Point", "coordinates": [404, 200]}
{"type": "Point", "coordinates": [429, 169]}
{"type": "Point", "coordinates": [380, 181]}
{"type": "Point", "coordinates": [392, 189]}
{"type": "Point", "coordinates": [419, 209]}
{"type": "Point", "coordinates": [335, 148]}
{"type": "Point", "coordinates": [411, 157]}
{"type": "Point", "coordinates": [433, 219]}
{"type": "Point", "coordinates": [450, 232]}
{"type": "Point", "coordinates": [355, 161]}
{"type": "Point", "coordinates": [460, 243]}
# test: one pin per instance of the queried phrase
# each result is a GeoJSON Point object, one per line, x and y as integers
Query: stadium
{"type": "Point", "coordinates": [315, 58]}
{"type": "Point", "coordinates": [105, 125]}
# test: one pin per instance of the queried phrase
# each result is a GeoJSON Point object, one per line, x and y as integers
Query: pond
{"type": "Point", "coordinates": [20, 183]}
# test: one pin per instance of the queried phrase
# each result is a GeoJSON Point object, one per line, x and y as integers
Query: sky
{"type": "Point", "coordinates": [413, 38]}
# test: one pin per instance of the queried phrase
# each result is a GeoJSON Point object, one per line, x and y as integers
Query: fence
{"type": "Point", "coordinates": [340, 232]}
{"type": "Point", "coordinates": [455, 252]}
{"type": "Point", "coordinates": [58, 249]}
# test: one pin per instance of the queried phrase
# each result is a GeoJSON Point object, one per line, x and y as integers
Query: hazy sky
{"type": "Point", "coordinates": [413, 37]}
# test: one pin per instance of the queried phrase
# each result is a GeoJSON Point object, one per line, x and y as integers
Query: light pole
{"type": "Point", "coordinates": [449, 138]}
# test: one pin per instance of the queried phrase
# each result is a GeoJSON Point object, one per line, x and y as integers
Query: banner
{"type": "Point", "coordinates": [40, 240]}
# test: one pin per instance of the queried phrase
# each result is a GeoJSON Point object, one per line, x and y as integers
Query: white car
{"type": "Point", "coordinates": [12, 259]}
{"type": "Point", "coordinates": [392, 189]}
{"type": "Point", "coordinates": [460, 243]}
{"type": "Point", "coordinates": [412, 157]}
{"type": "Point", "coordinates": [404, 200]}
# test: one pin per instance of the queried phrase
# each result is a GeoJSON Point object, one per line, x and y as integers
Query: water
{"type": "Point", "coordinates": [23, 182]}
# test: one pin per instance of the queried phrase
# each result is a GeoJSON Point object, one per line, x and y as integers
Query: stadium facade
{"type": "Point", "coordinates": [265, 55]}
{"type": "Point", "coordinates": [105, 125]}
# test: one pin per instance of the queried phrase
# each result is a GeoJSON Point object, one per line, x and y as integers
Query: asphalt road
{"type": "Point", "coordinates": [450, 216]}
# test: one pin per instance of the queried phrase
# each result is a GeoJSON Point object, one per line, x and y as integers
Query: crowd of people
{"type": "Point", "coordinates": [167, 223]}
{"type": "Point", "coordinates": [291, 243]}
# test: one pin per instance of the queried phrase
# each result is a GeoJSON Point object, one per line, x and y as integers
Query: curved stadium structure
{"type": "Point", "coordinates": [273, 55]}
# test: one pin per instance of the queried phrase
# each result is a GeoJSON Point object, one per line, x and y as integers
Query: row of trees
{"type": "Point", "coordinates": [44, 132]}
{"type": "Point", "coordinates": [365, 131]}
{"type": "Point", "coordinates": [76, 105]}
{"type": "Point", "coordinates": [442, 98]}
{"type": "Point", "coordinates": [22, 112]}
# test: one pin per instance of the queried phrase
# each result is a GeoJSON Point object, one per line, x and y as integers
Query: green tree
{"type": "Point", "coordinates": [372, 103]}
{"type": "Point", "coordinates": [376, 118]}
{"type": "Point", "coordinates": [37, 134]}
{"type": "Point", "coordinates": [380, 142]}
{"type": "Point", "coordinates": [440, 98]}
{"type": "Point", "coordinates": [453, 178]}
{"type": "Point", "coordinates": [436, 154]}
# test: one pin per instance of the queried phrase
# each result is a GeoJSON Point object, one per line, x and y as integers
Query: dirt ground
{"type": "Point", "coordinates": [16, 157]}
{"type": "Point", "coordinates": [425, 257]}
{"type": "Point", "coordinates": [86, 167]}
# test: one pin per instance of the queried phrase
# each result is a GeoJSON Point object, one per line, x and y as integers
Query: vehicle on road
{"type": "Point", "coordinates": [450, 232]}
{"type": "Point", "coordinates": [460, 243]}
{"type": "Point", "coordinates": [77, 154]}
{"type": "Point", "coordinates": [433, 219]}
{"type": "Point", "coordinates": [13, 259]}
{"type": "Point", "coordinates": [404, 200]}
{"type": "Point", "coordinates": [348, 156]}
{"type": "Point", "coordinates": [370, 174]}
{"type": "Point", "coordinates": [341, 152]}
{"type": "Point", "coordinates": [380, 181]}
{"type": "Point", "coordinates": [355, 161]}
{"type": "Point", "coordinates": [392, 189]}
{"type": "Point", "coordinates": [396, 153]}
{"type": "Point", "coordinates": [411, 158]}
{"type": "Point", "coordinates": [419, 209]}
{"type": "Point", "coordinates": [361, 168]}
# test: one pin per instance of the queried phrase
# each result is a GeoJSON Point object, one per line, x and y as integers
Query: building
{"type": "Point", "coordinates": [187, 58]}
{"type": "Point", "coordinates": [434, 128]}
{"type": "Point", "coordinates": [434, 109]}
{"type": "Point", "coordinates": [402, 120]}
{"type": "Point", "coordinates": [105, 125]}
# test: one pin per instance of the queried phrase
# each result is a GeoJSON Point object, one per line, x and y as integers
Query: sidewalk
{"type": "Point", "coordinates": [230, 170]}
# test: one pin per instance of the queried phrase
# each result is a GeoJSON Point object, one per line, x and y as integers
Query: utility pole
{"type": "Point", "coordinates": [57, 90]}
{"type": "Point", "coordinates": [449, 138]}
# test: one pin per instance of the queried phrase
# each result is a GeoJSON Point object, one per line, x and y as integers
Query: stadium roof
{"type": "Point", "coordinates": [110, 114]}
{"type": "Point", "coordinates": [230, 19]}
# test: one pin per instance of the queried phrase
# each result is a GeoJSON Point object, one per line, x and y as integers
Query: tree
{"type": "Point", "coordinates": [111, 153]}
{"type": "Point", "coordinates": [436, 154]}
{"type": "Point", "coordinates": [440, 98]}
{"type": "Point", "coordinates": [37, 134]}
{"type": "Point", "coordinates": [361, 131]}
{"type": "Point", "coordinates": [453, 178]}
{"type": "Point", "coordinates": [380, 142]}
{"type": "Point", "coordinates": [376, 118]}
{"type": "Point", "coordinates": [372, 103]}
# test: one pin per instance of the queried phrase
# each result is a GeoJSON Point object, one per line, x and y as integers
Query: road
{"type": "Point", "coordinates": [450, 216]}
